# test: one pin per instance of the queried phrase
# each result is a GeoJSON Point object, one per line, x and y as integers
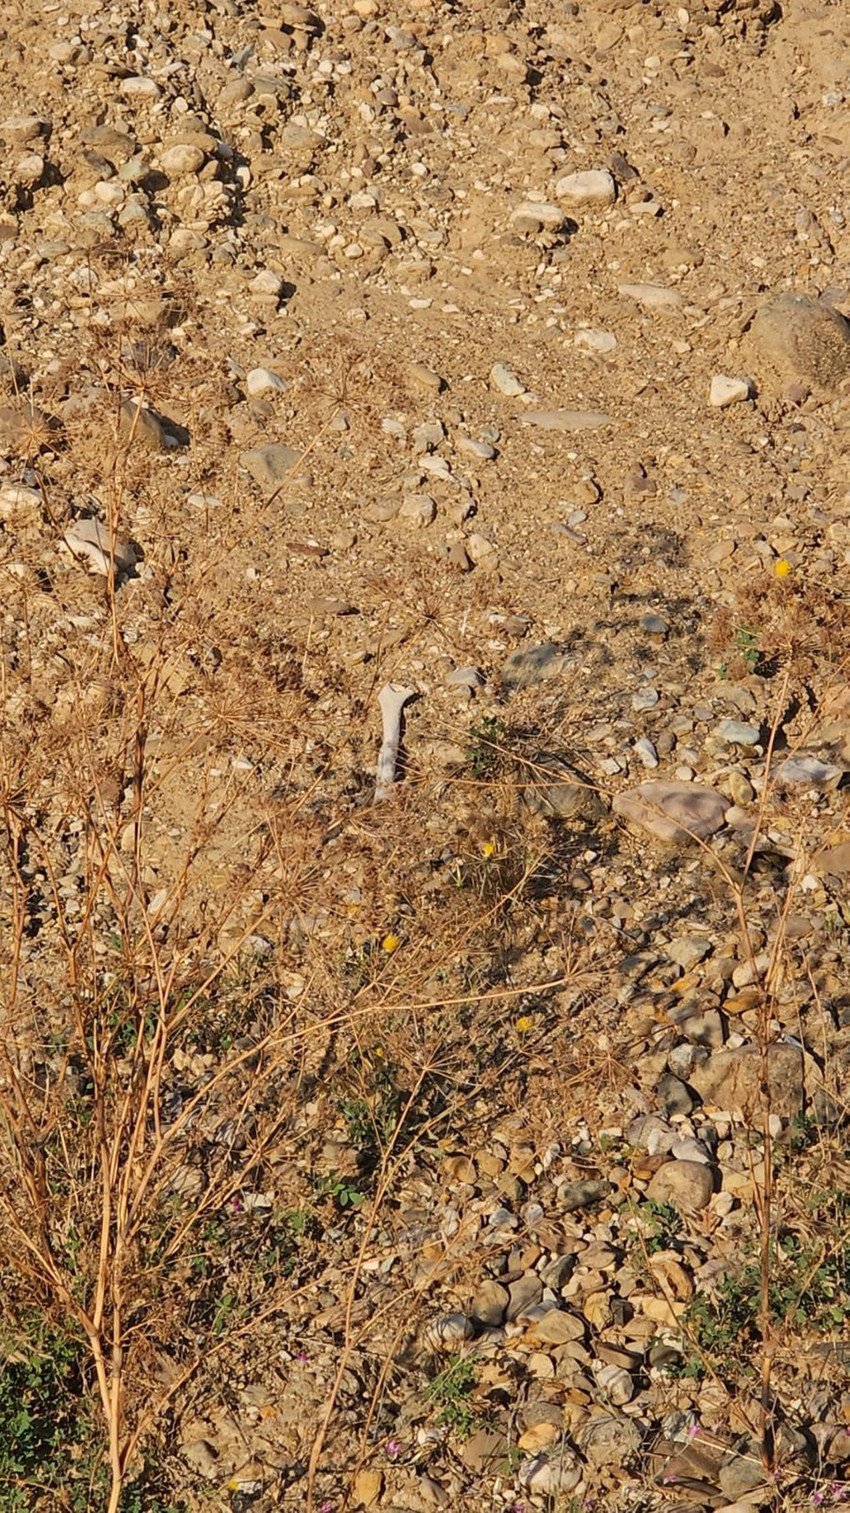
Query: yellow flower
{"type": "Point", "coordinates": [524, 1024]}
{"type": "Point", "coordinates": [488, 848]}
{"type": "Point", "coordinates": [782, 567]}
{"type": "Point", "coordinates": [390, 943]}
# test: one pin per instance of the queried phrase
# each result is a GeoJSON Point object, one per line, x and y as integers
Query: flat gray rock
{"type": "Point", "coordinates": [270, 465]}
{"type": "Point", "coordinates": [808, 772]}
{"type": "Point", "coordinates": [738, 733]}
{"type": "Point", "coordinates": [672, 811]}
{"type": "Point", "coordinates": [533, 664]}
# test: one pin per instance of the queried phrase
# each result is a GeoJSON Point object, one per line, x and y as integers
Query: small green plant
{"type": "Point", "coordinates": [49, 1442]}
{"type": "Point", "coordinates": [303, 1224]}
{"type": "Point", "coordinates": [747, 647]}
{"type": "Point", "coordinates": [342, 1189]}
{"type": "Point", "coordinates": [665, 1225]}
{"type": "Point", "coordinates": [745, 652]}
{"type": "Point", "coordinates": [486, 741]}
{"type": "Point", "coordinates": [809, 1288]}
{"type": "Point", "coordinates": [451, 1391]}
{"type": "Point", "coordinates": [225, 1308]}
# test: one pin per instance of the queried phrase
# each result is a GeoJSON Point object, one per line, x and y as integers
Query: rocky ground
{"type": "Point", "coordinates": [494, 351]}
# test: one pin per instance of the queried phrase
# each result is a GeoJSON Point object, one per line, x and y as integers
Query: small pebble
{"type": "Point", "coordinates": [465, 677]}
{"type": "Point", "coordinates": [727, 391]}
{"type": "Point", "coordinates": [425, 378]}
{"type": "Point", "coordinates": [261, 380]}
{"type": "Point", "coordinates": [418, 509]}
{"type": "Point", "coordinates": [654, 625]}
{"type": "Point", "coordinates": [505, 380]}
{"type": "Point", "coordinates": [484, 451]}
{"type": "Point", "coordinates": [738, 733]}
{"type": "Point", "coordinates": [646, 752]}
{"type": "Point", "coordinates": [591, 186]}
{"type": "Point", "coordinates": [652, 296]}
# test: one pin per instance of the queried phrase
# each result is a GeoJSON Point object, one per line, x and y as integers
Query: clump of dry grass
{"type": "Point", "coordinates": [172, 1004]}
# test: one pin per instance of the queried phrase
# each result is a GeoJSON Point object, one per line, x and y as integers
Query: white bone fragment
{"type": "Point", "coordinates": [392, 700]}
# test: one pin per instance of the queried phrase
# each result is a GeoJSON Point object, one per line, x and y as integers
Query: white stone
{"type": "Point", "coordinates": [109, 192]}
{"type": "Point", "coordinates": [140, 88]}
{"type": "Point", "coordinates": [550, 217]}
{"type": "Point", "coordinates": [652, 296]}
{"type": "Point", "coordinates": [592, 186]}
{"type": "Point", "coordinates": [266, 284]}
{"type": "Point", "coordinates": [259, 380]}
{"type": "Point", "coordinates": [506, 381]}
{"type": "Point", "coordinates": [595, 341]}
{"type": "Point", "coordinates": [646, 752]}
{"type": "Point", "coordinates": [91, 542]}
{"type": "Point", "coordinates": [727, 391]}
{"type": "Point", "coordinates": [29, 168]}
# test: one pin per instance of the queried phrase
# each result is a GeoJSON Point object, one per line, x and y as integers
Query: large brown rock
{"type": "Point", "coordinates": [804, 338]}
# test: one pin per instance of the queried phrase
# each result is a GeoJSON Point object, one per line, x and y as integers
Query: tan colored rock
{"type": "Point", "coordinates": [688, 1185]}
{"type": "Point", "coordinates": [803, 338]}
{"type": "Point", "coordinates": [23, 426]}
{"type": "Point", "coordinates": [23, 131]}
{"type": "Point", "coordinates": [671, 1275]}
{"type": "Point", "coordinates": [538, 1437]}
{"type": "Point", "coordinates": [833, 861]}
{"type": "Point", "coordinates": [181, 159]}
{"type": "Point", "coordinates": [141, 426]}
{"type": "Point", "coordinates": [270, 465]}
{"type": "Point", "coordinates": [368, 1486]}
{"type": "Point", "coordinates": [731, 1080]}
{"type": "Point", "coordinates": [557, 1327]}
